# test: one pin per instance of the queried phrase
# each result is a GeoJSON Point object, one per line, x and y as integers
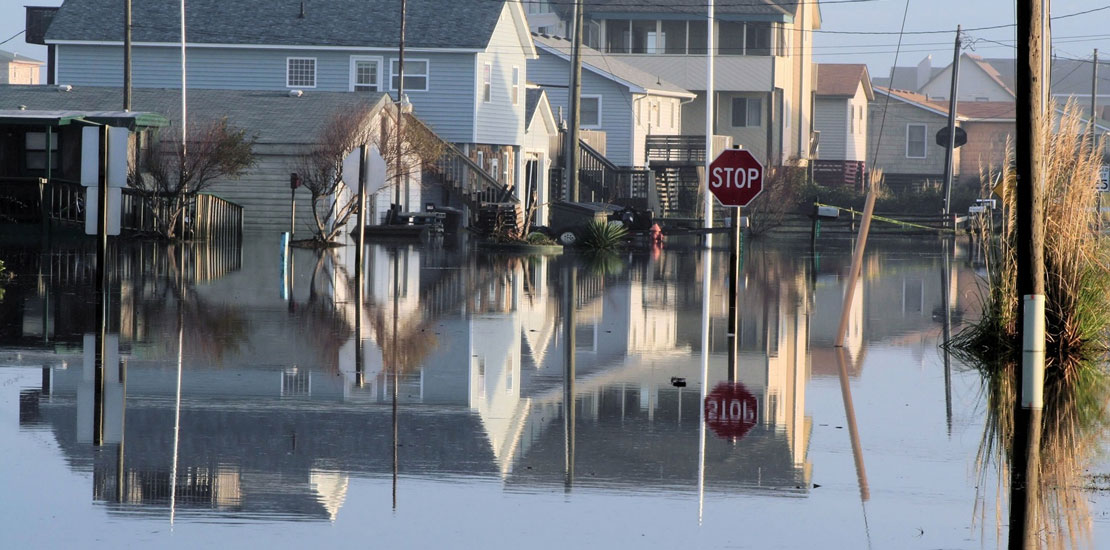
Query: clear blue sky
{"type": "Point", "coordinates": [1073, 37]}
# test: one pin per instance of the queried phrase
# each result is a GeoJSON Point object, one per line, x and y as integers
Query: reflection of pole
{"type": "Point", "coordinates": [1024, 478]}
{"type": "Point", "coordinates": [857, 266]}
{"type": "Point", "coordinates": [99, 366]}
{"type": "Point", "coordinates": [946, 280]}
{"type": "Point", "coordinates": [853, 431]}
{"type": "Point", "coordinates": [706, 268]}
{"type": "Point", "coordinates": [570, 292]}
{"type": "Point", "coordinates": [396, 369]}
{"type": "Point", "coordinates": [177, 398]}
{"type": "Point", "coordinates": [120, 490]}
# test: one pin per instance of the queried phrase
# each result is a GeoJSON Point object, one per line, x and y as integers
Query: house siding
{"type": "Point", "coordinates": [553, 73]}
{"type": "Point", "coordinates": [649, 108]}
{"type": "Point", "coordinates": [831, 121]}
{"type": "Point", "coordinates": [985, 148]}
{"type": "Point", "coordinates": [499, 121]}
{"type": "Point", "coordinates": [974, 84]}
{"type": "Point", "coordinates": [891, 155]}
{"type": "Point", "coordinates": [855, 146]}
{"type": "Point", "coordinates": [447, 106]}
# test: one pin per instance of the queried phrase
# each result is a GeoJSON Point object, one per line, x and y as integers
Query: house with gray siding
{"type": "Point", "coordinates": [465, 61]}
{"type": "Point", "coordinates": [622, 101]}
{"type": "Point", "coordinates": [284, 127]}
{"type": "Point", "coordinates": [840, 115]}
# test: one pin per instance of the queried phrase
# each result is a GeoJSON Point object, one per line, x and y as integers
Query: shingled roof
{"type": "Point", "coordinates": [273, 116]}
{"type": "Point", "coordinates": [464, 24]}
{"type": "Point", "coordinates": [843, 79]}
{"type": "Point", "coordinates": [611, 67]}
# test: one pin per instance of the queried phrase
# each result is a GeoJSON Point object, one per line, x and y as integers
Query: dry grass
{"type": "Point", "coordinates": [1077, 280]}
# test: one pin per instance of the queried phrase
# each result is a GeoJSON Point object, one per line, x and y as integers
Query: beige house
{"type": "Point", "coordinates": [840, 117]}
{"type": "Point", "coordinates": [19, 69]}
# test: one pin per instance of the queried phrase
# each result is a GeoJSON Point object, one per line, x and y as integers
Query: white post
{"type": "Point", "coordinates": [709, 93]}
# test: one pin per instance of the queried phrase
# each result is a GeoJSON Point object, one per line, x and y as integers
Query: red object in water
{"type": "Point", "coordinates": [731, 411]}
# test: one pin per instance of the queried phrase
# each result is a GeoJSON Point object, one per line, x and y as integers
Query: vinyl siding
{"type": "Point", "coordinates": [447, 106]}
{"type": "Point", "coordinates": [831, 121]}
{"type": "Point", "coordinates": [645, 122]}
{"type": "Point", "coordinates": [856, 144]}
{"type": "Point", "coordinates": [752, 138]}
{"type": "Point", "coordinates": [892, 151]}
{"type": "Point", "coordinates": [730, 73]}
{"type": "Point", "coordinates": [985, 148]}
{"type": "Point", "coordinates": [499, 121]}
{"type": "Point", "coordinates": [975, 84]}
{"type": "Point", "coordinates": [616, 102]}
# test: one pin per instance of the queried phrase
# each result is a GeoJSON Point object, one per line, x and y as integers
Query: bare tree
{"type": "Point", "coordinates": [333, 194]}
{"type": "Point", "coordinates": [169, 178]}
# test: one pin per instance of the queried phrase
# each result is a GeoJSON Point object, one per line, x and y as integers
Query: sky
{"type": "Point", "coordinates": [1073, 37]}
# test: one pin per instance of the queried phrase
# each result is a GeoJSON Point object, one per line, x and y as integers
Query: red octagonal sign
{"type": "Point", "coordinates": [731, 411]}
{"type": "Point", "coordinates": [735, 177]}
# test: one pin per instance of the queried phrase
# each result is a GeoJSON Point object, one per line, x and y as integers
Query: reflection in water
{"type": "Point", "coordinates": [1060, 443]}
{"type": "Point", "coordinates": [542, 373]}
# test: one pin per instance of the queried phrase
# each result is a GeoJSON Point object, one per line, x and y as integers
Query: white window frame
{"type": "Point", "coordinates": [495, 168]}
{"type": "Point", "coordinates": [427, 74]}
{"type": "Point", "coordinates": [315, 65]}
{"type": "Point", "coordinates": [599, 112]}
{"type": "Point", "coordinates": [924, 140]}
{"type": "Point", "coordinates": [353, 80]}
{"type": "Point", "coordinates": [851, 119]}
{"type": "Point", "coordinates": [487, 83]}
{"type": "Point", "coordinates": [514, 92]}
{"type": "Point", "coordinates": [786, 112]}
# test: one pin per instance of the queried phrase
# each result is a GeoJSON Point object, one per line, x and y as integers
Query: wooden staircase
{"type": "Point", "coordinates": [456, 173]}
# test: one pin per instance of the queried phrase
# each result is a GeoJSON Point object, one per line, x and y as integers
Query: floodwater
{"type": "Point", "coordinates": [237, 404]}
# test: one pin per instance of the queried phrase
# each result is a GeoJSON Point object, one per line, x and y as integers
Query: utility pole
{"type": "Point", "coordinates": [1032, 19]}
{"type": "Point", "coordinates": [127, 55]}
{"type": "Point", "coordinates": [571, 150]}
{"type": "Point", "coordinates": [1094, 135]}
{"type": "Point", "coordinates": [950, 148]}
{"type": "Point", "coordinates": [400, 106]}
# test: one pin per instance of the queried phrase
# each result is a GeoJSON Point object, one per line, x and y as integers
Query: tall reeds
{"type": "Point", "coordinates": [1077, 279]}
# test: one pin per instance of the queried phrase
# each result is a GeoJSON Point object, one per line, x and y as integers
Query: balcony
{"type": "Point", "coordinates": [683, 150]}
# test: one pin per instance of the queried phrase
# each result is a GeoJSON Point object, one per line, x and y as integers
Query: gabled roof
{"type": "Point", "coordinates": [751, 10]}
{"type": "Point", "coordinates": [841, 79]}
{"type": "Point", "coordinates": [606, 66]}
{"type": "Point", "coordinates": [273, 116]}
{"type": "Point", "coordinates": [537, 104]}
{"type": "Point", "coordinates": [999, 111]}
{"type": "Point", "coordinates": [12, 57]}
{"type": "Point", "coordinates": [1069, 76]}
{"type": "Point", "coordinates": [983, 65]}
{"type": "Point", "coordinates": [462, 24]}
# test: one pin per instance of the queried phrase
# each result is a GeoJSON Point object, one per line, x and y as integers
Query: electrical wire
{"type": "Point", "coordinates": [886, 105]}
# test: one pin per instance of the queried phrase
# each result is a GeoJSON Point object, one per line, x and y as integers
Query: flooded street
{"type": "Point", "coordinates": [242, 405]}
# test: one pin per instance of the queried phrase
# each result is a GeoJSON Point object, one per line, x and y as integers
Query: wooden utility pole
{"type": "Point", "coordinates": [127, 55]}
{"type": "Point", "coordinates": [1032, 20]}
{"type": "Point", "coordinates": [571, 150]}
{"type": "Point", "coordinates": [950, 147]}
{"type": "Point", "coordinates": [400, 101]}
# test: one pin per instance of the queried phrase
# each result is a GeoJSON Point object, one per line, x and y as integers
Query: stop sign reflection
{"type": "Point", "coordinates": [731, 411]}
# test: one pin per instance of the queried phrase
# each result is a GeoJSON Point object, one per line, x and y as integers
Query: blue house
{"type": "Point", "coordinates": [465, 60]}
{"type": "Point", "coordinates": [624, 102]}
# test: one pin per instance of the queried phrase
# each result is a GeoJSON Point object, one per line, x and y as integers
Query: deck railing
{"type": "Point", "coordinates": [456, 172]}
{"type": "Point", "coordinates": [600, 180]}
{"type": "Point", "coordinates": [686, 150]}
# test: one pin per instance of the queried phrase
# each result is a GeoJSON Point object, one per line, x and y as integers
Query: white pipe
{"type": "Point", "coordinates": [709, 102]}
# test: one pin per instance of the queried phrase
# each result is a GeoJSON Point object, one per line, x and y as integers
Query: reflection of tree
{"type": "Point", "coordinates": [1073, 424]}
{"type": "Point", "coordinates": [330, 327]}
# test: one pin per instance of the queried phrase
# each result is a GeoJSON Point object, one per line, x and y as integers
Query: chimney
{"type": "Point", "coordinates": [924, 72]}
{"type": "Point", "coordinates": [301, 16]}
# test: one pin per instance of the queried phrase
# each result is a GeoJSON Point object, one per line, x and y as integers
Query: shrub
{"type": "Point", "coordinates": [538, 238]}
{"type": "Point", "coordinates": [602, 235]}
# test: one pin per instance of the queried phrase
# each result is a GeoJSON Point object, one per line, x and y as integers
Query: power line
{"type": "Point", "coordinates": [12, 37]}
{"type": "Point", "coordinates": [886, 105]}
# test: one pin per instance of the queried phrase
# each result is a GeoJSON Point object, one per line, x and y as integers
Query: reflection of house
{"type": "Point", "coordinates": [840, 113]}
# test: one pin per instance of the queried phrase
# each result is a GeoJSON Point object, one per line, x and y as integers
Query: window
{"type": "Point", "coordinates": [787, 114]}
{"type": "Point", "coordinates": [300, 72]}
{"type": "Point", "coordinates": [644, 36]}
{"type": "Point", "coordinates": [515, 92]}
{"type": "Point", "coordinates": [747, 111]}
{"type": "Point", "coordinates": [482, 159]}
{"type": "Point", "coordinates": [859, 127]}
{"type": "Point", "coordinates": [487, 83]}
{"type": "Point", "coordinates": [589, 112]}
{"type": "Point", "coordinates": [697, 38]}
{"type": "Point", "coordinates": [493, 169]}
{"type": "Point", "coordinates": [416, 75]}
{"type": "Point", "coordinates": [731, 38]}
{"type": "Point", "coordinates": [365, 74]}
{"type": "Point", "coordinates": [674, 37]}
{"type": "Point", "coordinates": [851, 119]}
{"type": "Point", "coordinates": [915, 141]}
{"type": "Point", "coordinates": [618, 35]}
{"type": "Point", "coordinates": [757, 39]}
{"type": "Point", "coordinates": [36, 150]}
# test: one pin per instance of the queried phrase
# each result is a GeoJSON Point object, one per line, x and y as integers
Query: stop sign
{"type": "Point", "coordinates": [735, 177]}
{"type": "Point", "coordinates": [730, 410]}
